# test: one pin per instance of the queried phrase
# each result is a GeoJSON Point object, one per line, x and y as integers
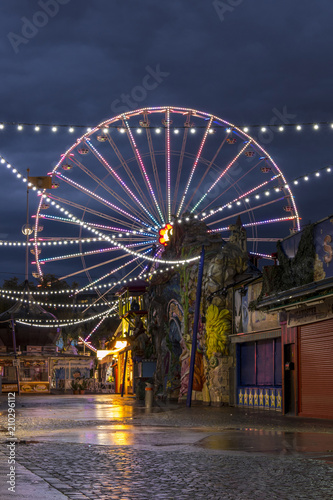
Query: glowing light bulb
{"type": "Point", "coordinates": [54, 129]}
{"type": "Point", "coordinates": [2, 126]}
{"type": "Point", "coordinates": [281, 129]}
{"type": "Point", "coordinates": [306, 178]}
{"type": "Point", "coordinates": [158, 131]}
{"type": "Point", "coordinates": [193, 130]}
{"type": "Point", "coordinates": [19, 127]}
{"type": "Point", "coordinates": [246, 129]}
{"type": "Point", "coordinates": [71, 130]}
{"type": "Point", "coordinates": [138, 130]}
{"type": "Point", "coordinates": [263, 129]}
{"type": "Point", "coordinates": [37, 128]}
{"type": "Point", "coordinates": [316, 126]}
{"type": "Point", "coordinates": [176, 131]}
{"type": "Point", "coordinates": [298, 127]}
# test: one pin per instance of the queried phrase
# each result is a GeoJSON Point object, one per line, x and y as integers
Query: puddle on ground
{"type": "Point", "coordinates": [269, 441]}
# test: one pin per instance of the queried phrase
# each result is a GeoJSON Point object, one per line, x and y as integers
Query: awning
{"type": "Point", "coordinates": [253, 336]}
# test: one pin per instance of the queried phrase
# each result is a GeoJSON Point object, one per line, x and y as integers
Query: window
{"type": "Point", "coordinates": [260, 363]}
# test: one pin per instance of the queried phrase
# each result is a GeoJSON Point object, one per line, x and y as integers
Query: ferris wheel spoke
{"type": "Point", "coordinates": [157, 255]}
{"type": "Point", "coordinates": [98, 265]}
{"type": "Point", "coordinates": [107, 188]}
{"type": "Point", "coordinates": [153, 162]}
{"type": "Point", "coordinates": [243, 195]}
{"type": "Point", "coordinates": [209, 166]}
{"type": "Point", "coordinates": [237, 214]}
{"type": "Point", "coordinates": [126, 233]}
{"type": "Point", "coordinates": [142, 168]}
{"type": "Point", "coordinates": [257, 223]}
{"type": "Point", "coordinates": [91, 252]}
{"type": "Point", "coordinates": [128, 171]}
{"type": "Point", "coordinates": [120, 181]}
{"type": "Point", "coordinates": [195, 165]}
{"type": "Point", "coordinates": [231, 185]}
{"type": "Point", "coordinates": [168, 163]}
{"type": "Point", "coordinates": [221, 175]}
{"type": "Point", "coordinates": [113, 271]}
{"type": "Point", "coordinates": [101, 200]}
{"type": "Point", "coordinates": [111, 287]}
{"type": "Point", "coordinates": [181, 160]}
{"type": "Point", "coordinates": [84, 209]}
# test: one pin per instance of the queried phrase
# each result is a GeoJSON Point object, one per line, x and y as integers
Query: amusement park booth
{"type": "Point", "coordinates": [25, 349]}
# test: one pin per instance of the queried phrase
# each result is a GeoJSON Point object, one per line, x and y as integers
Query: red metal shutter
{"type": "Point", "coordinates": [316, 370]}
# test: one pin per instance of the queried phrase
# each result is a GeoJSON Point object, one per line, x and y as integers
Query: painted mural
{"type": "Point", "coordinates": [248, 320]}
{"type": "Point", "coordinates": [323, 242]}
{"type": "Point", "coordinates": [323, 236]}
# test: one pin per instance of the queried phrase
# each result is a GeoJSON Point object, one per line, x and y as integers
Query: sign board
{"type": "Point", "coordinates": [310, 314]}
{"type": "Point", "coordinates": [16, 362]}
{"type": "Point", "coordinates": [9, 387]}
{"type": "Point", "coordinates": [39, 387]}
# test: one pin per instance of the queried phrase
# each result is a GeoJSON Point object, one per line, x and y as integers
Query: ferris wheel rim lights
{"type": "Point", "coordinates": [85, 138]}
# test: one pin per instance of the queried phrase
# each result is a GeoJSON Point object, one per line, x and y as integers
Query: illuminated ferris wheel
{"type": "Point", "coordinates": [124, 183]}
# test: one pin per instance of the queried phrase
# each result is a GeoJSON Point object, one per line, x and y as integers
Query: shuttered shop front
{"type": "Point", "coordinates": [316, 370]}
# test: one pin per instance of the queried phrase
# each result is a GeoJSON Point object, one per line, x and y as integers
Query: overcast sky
{"type": "Point", "coordinates": [72, 61]}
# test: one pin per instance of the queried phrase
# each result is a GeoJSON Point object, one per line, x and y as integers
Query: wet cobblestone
{"type": "Point", "coordinates": [106, 448]}
{"type": "Point", "coordinates": [102, 472]}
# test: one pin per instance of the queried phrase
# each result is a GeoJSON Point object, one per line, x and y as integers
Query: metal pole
{"type": "Point", "coordinates": [124, 375]}
{"type": "Point", "coordinates": [15, 355]}
{"type": "Point", "coordinates": [27, 234]}
{"type": "Point", "coordinates": [195, 328]}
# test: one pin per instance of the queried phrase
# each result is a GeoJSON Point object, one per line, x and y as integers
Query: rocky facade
{"type": "Point", "coordinates": [171, 301]}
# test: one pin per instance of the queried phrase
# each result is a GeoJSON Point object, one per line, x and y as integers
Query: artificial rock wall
{"type": "Point", "coordinates": [171, 300]}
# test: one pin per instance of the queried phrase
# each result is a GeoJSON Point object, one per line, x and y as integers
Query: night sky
{"type": "Point", "coordinates": [246, 62]}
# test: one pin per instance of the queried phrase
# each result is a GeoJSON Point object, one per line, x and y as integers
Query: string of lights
{"type": "Point", "coordinates": [48, 243]}
{"type": "Point", "coordinates": [61, 323]}
{"type": "Point", "coordinates": [13, 296]}
{"type": "Point", "coordinates": [71, 129]}
{"type": "Point", "coordinates": [267, 192]}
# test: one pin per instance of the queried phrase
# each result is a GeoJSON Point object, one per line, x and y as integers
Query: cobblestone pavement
{"type": "Point", "coordinates": [108, 448]}
{"type": "Point", "coordinates": [102, 472]}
